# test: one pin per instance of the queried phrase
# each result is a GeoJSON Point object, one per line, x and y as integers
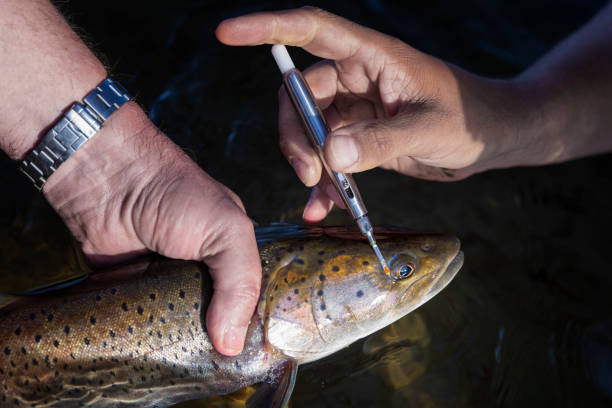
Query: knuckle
{"type": "Point", "coordinates": [377, 137]}
{"type": "Point", "coordinates": [239, 228]}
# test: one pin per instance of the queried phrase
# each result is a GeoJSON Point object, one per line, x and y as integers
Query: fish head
{"type": "Point", "coordinates": [328, 292]}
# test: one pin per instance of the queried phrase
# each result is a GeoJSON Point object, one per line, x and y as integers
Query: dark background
{"type": "Point", "coordinates": [527, 320]}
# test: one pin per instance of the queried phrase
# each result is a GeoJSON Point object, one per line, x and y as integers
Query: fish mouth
{"type": "Point", "coordinates": [439, 280]}
{"type": "Point", "coordinates": [445, 277]}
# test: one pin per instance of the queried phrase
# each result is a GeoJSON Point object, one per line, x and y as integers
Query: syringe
{"type": "Point", "coordinates": [317, 129]}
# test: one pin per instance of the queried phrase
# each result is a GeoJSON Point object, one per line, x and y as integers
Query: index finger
{"type": "Point", "coordinates": [317, 31]}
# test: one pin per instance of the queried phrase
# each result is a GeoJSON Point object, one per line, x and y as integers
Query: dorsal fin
{"type": "Point", "coordinates": [7, 300]}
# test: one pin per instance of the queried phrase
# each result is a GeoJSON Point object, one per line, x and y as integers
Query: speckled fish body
{"type": "Point", "coordinates": [136, 336]}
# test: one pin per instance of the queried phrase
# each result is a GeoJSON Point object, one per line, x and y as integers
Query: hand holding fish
{"type": "Point", "coordinates": [129, 189]}
{"type": "Point", "coordinates": [392, 106]}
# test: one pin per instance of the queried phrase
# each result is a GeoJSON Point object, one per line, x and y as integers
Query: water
{"type": "Point", "coordinates": [525, 323]}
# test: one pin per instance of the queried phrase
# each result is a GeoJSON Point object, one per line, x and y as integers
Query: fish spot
{"type": "Point", "coordinates": [86, 341]}
{"type": "Point", "coordinates": [335, 268]}
{"type": "Point", "coordinates": [113, 291]}
{"type": "Point", "coordinates": [140, 310]}
{"type": "Point", "coordinates": [197, 275]}
{"type": "Point", "coordinates": [152, 296]}
{"type": "Point", "coordinates": [302, 279]}
{"type": "Point", "coordinates": [182, 294]}
{"type": "Point", "coordinates": [37, 338]}
{"type": "Point", "coordinates": [111, 333]}
{"type": "Point", "coordinates": [322, 306]}
{"type": "Point", "coordinates": [34, 362]}
{"type": "Point", "coordinates": [271, 297]}
{"type": "Point", "coordinates": [359, 293]}
{"type": "Point", "coordinates": [161, 319]}
{"type": "Point", "coordinates": [32, 316]}
{"type": "Point", "coordinates": [320, 292]}
{"type": "Point", "coordinates": [50, 317]}
{"type": "Point", "coordinates": [196, 305]}
{"type": "Point", "coordinates": [104, 344]}
{"type": "Point", "coordinates": [320, 262]}
{"type": "Point", "coordinates": [320, 252]}
{"type": "Point", "coordinates": [24, 351]}
{"type": "Point", "coordinates": [289, 249]}
{"type": "Point", "coordinates": [67, 330]}
{"type": "Point", "coordinates": [150, 318]}
{"type": "Point", "coordinates": [300, 261]}
{"type": "Point", "coordinates": [321, 277]}
{"type": "Point", "coordinates": [7, 351]}
{"type": "Point", "coordinates": [56, 343]}
{"type": "Point", "coordinates": [289, 298]}
{"type": "Point", "coordinates": [171, 306]}
{"type": "Point", "coordinates": [365, 263]}
{"type": "Point", "coordinates": [278, 258]}
{"type": "Point", "coordinates": [296, 291]}
{"type": "Point", "coordinates": [92, 320]}
{"type": "Point", "coordinates": [18, 331]}
{"type": "Point", "coordinates": [98, 298]}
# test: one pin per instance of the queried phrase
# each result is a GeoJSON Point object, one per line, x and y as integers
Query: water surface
{"type": "Point", "coordinates": [527, 320]}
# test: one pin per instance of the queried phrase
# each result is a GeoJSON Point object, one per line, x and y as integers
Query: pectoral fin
{"type": "Point", "coordinates": [276, 392]}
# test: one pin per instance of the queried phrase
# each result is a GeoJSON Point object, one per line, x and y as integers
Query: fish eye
{"type": "Point", "coordinates": [403, 265]}
{"type": "Point", "coordinates": [404, 271]}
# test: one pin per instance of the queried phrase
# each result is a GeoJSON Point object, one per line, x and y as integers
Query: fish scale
{"type": "Point", "coordinates": [136, 336]}
{"type": "Point", "coordinates": [145, 339]}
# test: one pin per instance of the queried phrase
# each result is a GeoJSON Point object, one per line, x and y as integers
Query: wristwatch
{"type": "Point", "coordinates": [79, 124]}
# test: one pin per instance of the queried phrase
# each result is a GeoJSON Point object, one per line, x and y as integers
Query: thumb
{"type": "Point", "coordinates": [368, 144]}
{"type": "Point", "coordinates": [236, 272]}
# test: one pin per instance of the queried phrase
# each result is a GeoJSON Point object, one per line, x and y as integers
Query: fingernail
{"type": "Point", "coordinates": [313, 193]}
{"type": "Point", "coordinates": [300, 168]}
{"type": "Point", "coordinates": [233, 339]}
{"type": "Point", "coordinates": [343, 151]}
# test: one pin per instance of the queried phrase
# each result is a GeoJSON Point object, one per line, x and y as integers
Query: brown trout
{"type": "Point", "coordinates": [136, 336]}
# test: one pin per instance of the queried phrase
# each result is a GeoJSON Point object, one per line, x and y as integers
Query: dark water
{"type": "Point", "coordinates": [527, 320]}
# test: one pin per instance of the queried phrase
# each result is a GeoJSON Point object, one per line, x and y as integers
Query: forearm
{"type": "Point", "coordinates": [567, 96]}
{"type": "Point", "coordinates": [44, 68]}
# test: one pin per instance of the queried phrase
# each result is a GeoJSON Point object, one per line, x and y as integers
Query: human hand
{"type": "Point", "coordinates": [386, 103]}
{"type": "Point", "coordinates": [130, 190]}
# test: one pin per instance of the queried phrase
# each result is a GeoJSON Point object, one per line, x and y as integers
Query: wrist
{"type": "Point", "coordinates": [497, 116]}
{"type": "Point", "coordinates": [97, 185]}
{"type": "Point", "coordinates": [45, 106]}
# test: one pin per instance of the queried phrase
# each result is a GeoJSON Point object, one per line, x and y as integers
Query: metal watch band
{"type": "Point", "coordinates": [78, 125]}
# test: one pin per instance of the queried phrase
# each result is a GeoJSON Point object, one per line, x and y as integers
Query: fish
{"type": "Point", "coordinates": [136, 335]}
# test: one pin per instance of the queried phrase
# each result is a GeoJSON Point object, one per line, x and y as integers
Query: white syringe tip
{"type": "Point", "coordinates": [282, 58]}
